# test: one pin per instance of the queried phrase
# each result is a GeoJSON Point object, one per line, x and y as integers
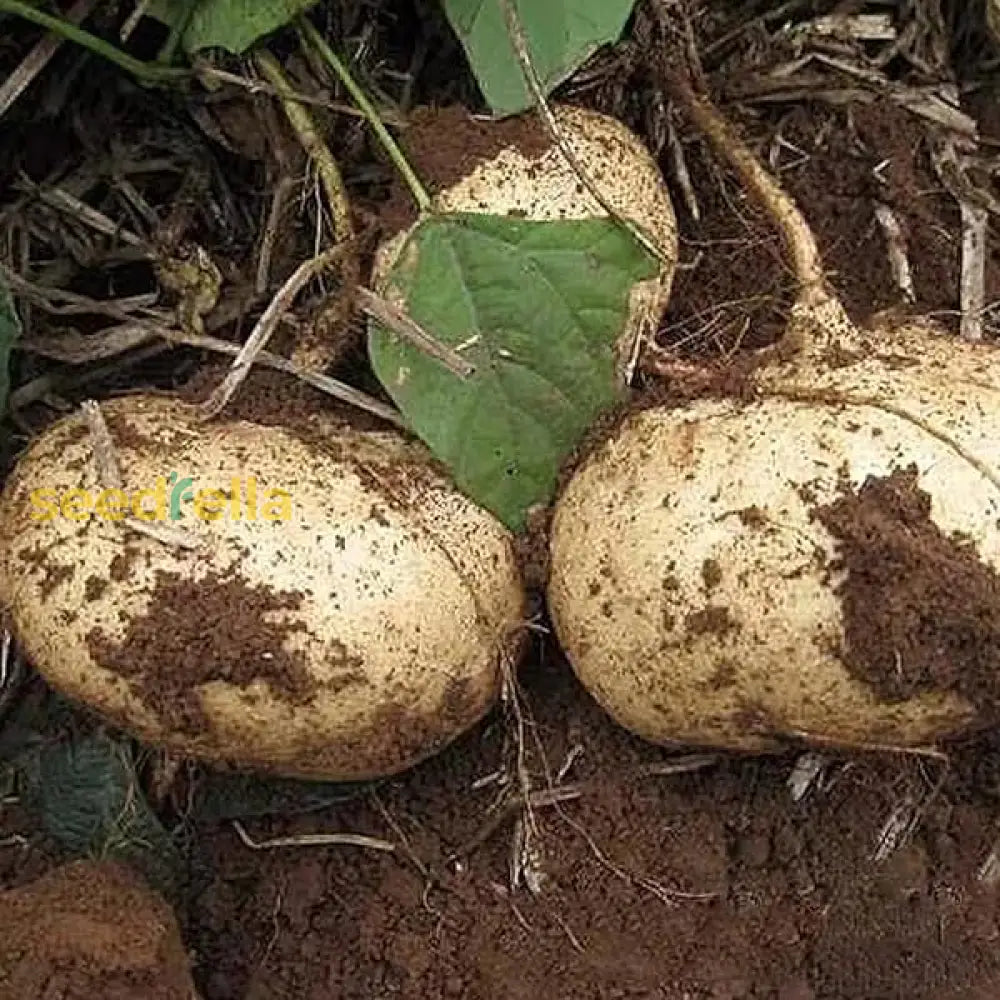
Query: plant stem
{"type": "Point", "coordinates": [311, 141]}
{"type": "Point", "coordinates": [308, 31]}
{"type": "Point", "coordinates": [150, 72]}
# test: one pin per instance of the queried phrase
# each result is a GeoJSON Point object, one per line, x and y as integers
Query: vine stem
{"type": "Point", "coordinates": [309, 138]}
{"type": "Point", "coordinates": [150, 72]}
{"type": "Point", "coordinates": [312, 36]}
{"type": "Point", "coordinates": [177, 30]}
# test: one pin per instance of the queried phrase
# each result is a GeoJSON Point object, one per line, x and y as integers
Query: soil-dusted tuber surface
{"type": "Point", "coordinates": [88, 931]}
{"type": "Point", "coordinates": [714, 886]}
{"type": "Point", "coordinates": [217, 630]}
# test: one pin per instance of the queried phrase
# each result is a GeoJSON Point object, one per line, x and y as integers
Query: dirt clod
{"type": "Point", "coordinates": [921, 610]}
{"type": "Point", "coordinates": [89, 931]}
{"type": "Point", "coordinates": [711, 620]}
{"type": "Point", "coordinates": [200, 631]}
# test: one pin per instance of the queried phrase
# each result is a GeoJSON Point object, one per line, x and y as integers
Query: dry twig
{"type": "Point", "coordinates": [512, 806]}
{"type": "Point", "coordinates": [213, 75]}
{"type": "Point", "coordinates": [39, 56]}
{"type": "Point", "coordinates": [139, 325]}
{"type": "Point", "coordinates": [110, 477]}
{"type": "Point", "coordinates": [899, 263]}
{"type": "Point", "coordinates": [68, 203]}
{"type": "Point", "coordinates": [405, 327]}
{"type": "Point", "coordinates": [331, 386]}
{"type": "Point", "coordinates": [973, 298]}
{"type": "Point", "coordinates": [282, 192]}
{"type": "Point", "coordinates": [906, 817]}
{"type": "Point", "coordinates": [266, 326]}
{"type": "Point", "coordinates": [681, 173]}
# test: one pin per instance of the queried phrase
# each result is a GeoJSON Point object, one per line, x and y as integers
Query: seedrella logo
{"type": "Point", "coordinates": [169, 498]}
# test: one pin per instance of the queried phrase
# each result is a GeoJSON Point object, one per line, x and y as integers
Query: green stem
{"type": "Point", "coordinates": [150, 72]}
{"type": "Point", "coordinates": [310, 34]}
{"type": "Point", "coordinates": [308, 135]}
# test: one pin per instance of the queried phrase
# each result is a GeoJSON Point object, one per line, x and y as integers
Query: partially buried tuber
{"type": "Point", "coordinates": [351, 622]}
{"type": "Point", "coordinates": [513, 168]}
{"type": "Point", "coordinates": [364, 631]}
{"type": "Point", "coordinates": [817, 560]}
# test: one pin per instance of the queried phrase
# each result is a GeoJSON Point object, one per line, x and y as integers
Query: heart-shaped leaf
{"type": "Point", "coordinates": [537, 308]}
{"type": "Point", "coordinates": [561, 35]}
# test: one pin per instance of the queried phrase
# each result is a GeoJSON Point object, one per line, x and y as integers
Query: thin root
{"type": "Point", "coordinates": [315, 840]}
{"type": "Point", "coordinates": [837, 398]}
{"type": "Point", "coordinates": [817, 313]}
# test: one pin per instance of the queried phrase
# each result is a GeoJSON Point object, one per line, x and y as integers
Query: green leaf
{"type": "Point", "coordinates": [87, 795]}
{"type": "Point", "coordinates": [561, 36]}
{"type": "Point", "coordinates": [10, 330]}
{"type": "Point", "coordinates": [538, 308]}
{"type": "Point", "coordinates": [233, 25]}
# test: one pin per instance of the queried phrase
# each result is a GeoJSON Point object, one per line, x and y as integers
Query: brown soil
{"type": "Point", "coordinates": [711, 885]}
{"type": "Point", "coordinates": [276, 400]}
{"type": "Point", "coordinates": [88, 931]}
{"type": "Point", "coordinates": [446, 144]}
{"type": "Point", "coordinates": [733, 289]}
{"type": "Point", "coordinates": [921, 610]}
{"type": "Point", "coordinates": [215, 629]}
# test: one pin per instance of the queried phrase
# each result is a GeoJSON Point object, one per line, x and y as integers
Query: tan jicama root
{"type": "Point", "coordinates": [699, 571]}
{"type": "Point", "coordinates": [818, 325]}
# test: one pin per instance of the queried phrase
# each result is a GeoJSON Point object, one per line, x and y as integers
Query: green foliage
{"type": "Point", "coordinates": [233, 25]}
{"type": "Point", "coordinates": [538, 308]}
{"type": "Point", "coordinates": [561, 36]}
{"type": "Point", "coordinates": [87, 795]}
